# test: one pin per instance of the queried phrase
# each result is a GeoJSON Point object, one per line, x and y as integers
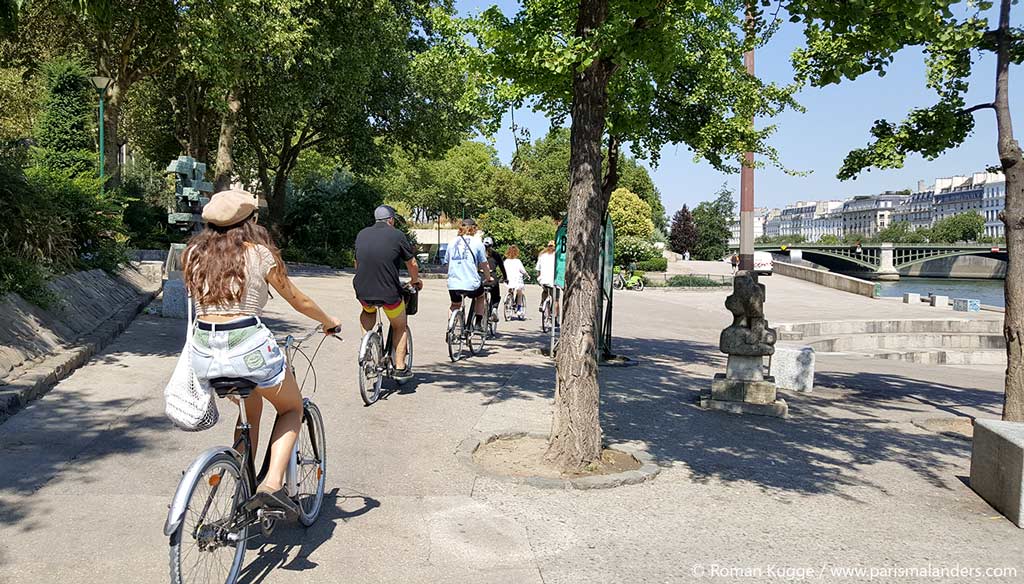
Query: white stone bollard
{"type": "Point", "coordinates": [966, 305]}
{"type": "Point", "coordinates": [997, 466]}
{"type": "Point", "coordinates": [792, 367]}
{"type": "Point", "coordinates": [940, 301]}
{"type": "Point", "coordinates": [175, 299]}
{"type": "Point", "coordinates": [912, 298]}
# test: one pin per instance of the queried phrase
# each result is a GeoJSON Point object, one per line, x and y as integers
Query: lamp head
{"type": "Point", "coordinates": [100, 82]}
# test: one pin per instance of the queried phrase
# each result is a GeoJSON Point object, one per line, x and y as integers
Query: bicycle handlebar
{"type": "Point", "coordinates": [291, 341]}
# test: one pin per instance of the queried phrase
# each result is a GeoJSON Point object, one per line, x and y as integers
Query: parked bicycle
{"type": "Point", "coordinates": [208, 521]}
{"type": "Point", "coordinates": [462, 334]}
{"type": "Point", "coordinates": [635, 281]}
{"type": "Point", "coordinates": [377, 356]}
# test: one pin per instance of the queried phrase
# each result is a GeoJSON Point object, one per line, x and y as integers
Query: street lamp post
{"type": "Point", "coordinates": [101, 84]}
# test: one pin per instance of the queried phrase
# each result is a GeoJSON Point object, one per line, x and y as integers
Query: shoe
{"type": "Point", "coordinates": [279, 499]}
{"type": "Point", "coordinates": [402, 375]}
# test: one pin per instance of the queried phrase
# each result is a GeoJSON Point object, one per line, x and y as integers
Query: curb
{"type": "Point", "coordinates": [43, 376]}
{"type": "Point", "coordinates": [647, 471]}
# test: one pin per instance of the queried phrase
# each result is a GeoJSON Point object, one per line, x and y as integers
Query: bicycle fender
{"type": "Point", "coordinates": [363, 344]}
{"type": "Point", "coordinates": [176, 512]}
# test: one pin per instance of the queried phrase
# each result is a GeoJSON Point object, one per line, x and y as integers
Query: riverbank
{"type": "Point", "coordinates": [989, 292]}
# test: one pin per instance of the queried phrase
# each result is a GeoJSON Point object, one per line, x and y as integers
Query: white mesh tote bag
{"type": "Point", "coordinates": [188, 405]}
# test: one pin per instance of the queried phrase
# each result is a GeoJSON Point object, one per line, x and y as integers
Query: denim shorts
{"type": "Point", "coordinates": [250, 353]}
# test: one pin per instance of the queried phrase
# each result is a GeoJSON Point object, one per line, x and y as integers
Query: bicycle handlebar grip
{"type": "Point", "coordinates": [334, 330]}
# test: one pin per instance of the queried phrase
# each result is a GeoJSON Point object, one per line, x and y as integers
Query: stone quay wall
{"type": "Point", "coordinates": [828, 279]}
{"type": "Point", "coordinates": [40, 347]}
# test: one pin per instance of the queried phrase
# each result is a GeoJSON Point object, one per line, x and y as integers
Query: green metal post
{"type": "Point", "coordinates": [100, 92]}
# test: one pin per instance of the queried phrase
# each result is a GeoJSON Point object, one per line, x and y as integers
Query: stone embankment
{"type": "Point", "coordinates": [928, 341]}
{"type": "Point", "coordinates": [827, 279]}
{"type": "Point", "coordinates": [40, 347]}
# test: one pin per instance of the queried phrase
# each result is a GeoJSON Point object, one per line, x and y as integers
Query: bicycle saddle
{"type": "Point", "coordinates": [225, 386]}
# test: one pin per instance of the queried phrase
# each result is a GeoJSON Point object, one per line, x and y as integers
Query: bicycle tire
{"type": "Point", "coordinates": [371, 370]}
{"type": "Point", "coordinates": [188, 532]}
{"type": "Point", "coordinates": [476, 336]}
{"type": "Point", "coordinates": [455, 337]}
{"type": "Point", "coordinates": [311, 451]}
{"type": "Point", "coordinates": [640, 286]}
{"type": "Point", "coordinates": [509, 307]}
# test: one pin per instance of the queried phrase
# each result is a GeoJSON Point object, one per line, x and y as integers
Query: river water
{"type": "Point", "coordinates": [988, 291]}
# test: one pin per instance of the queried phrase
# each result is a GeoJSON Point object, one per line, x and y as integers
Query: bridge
{"type": "Point", "coordinates": [882, 261]}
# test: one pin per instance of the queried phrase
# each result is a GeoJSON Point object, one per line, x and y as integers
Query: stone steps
{"type": "Point", "coordinates": [899, 342]}
{"type": "Point", "coordinates": [943, 357]}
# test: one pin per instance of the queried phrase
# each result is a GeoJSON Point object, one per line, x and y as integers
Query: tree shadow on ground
{"type": "Point", "coordinates": [820, 450]}
{"type": "Point", "coordinates": [60, 436]}
{"type": "Point", "coordinates": [831, 437]}
{"type": "Point", "coordinates": [950, 399]}
{"type": "Point", "coordinates": [281, 545]}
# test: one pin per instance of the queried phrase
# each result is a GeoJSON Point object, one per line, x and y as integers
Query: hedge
{"type": "Point", "coordinates": [654, 265]}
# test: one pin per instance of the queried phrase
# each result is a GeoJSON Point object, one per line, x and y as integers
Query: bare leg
{"type": "Point", "coordinates": [287, 400]}
{"type": "Point", "coordinates": [399, 327]}
{"type": "Point", "coordinates": [367, 320]}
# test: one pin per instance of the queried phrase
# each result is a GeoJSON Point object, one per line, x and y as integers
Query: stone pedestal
{"type": "Point", "coordinates": [966, 305]}
{"type": "Point", "coordinates": [912, 298]}
{"type": "Point", "coordinates": [744, 389]}
{"type": "Point", "coordinates": [939, 301]}
{"type": "Point", "coordinates": [175, 300]}
{"type": "Point", "coordinates": [997, 466]}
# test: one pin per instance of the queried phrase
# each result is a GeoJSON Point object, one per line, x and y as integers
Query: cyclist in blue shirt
{"type": "Point", "coordinates": [467, 259]}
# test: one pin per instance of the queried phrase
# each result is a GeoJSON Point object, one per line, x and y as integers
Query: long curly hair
{"type": "Point", "coordinates": [215, 261]}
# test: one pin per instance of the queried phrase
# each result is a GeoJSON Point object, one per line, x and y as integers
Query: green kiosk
{"type": "Point", "coordinates": [604, 332]}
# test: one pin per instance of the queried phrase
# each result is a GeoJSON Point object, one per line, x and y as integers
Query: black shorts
{"type": "Point", "coordinates": [458, 295]}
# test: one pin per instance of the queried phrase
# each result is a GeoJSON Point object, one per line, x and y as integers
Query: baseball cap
{"type": "Point", "coordinates": [488, 240]}
{"type": "Point", "coordinates": [383, 213]}
{"type": "Point", "coordinates": [468, 222]}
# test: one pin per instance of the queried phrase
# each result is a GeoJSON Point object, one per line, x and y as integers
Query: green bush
{"type": "Point", "coordinates": [653, 265]}
{"type": "Point", "coordinates": [534, 235]}
{"type": "Point", "coordinates": [630, 249]}
{"type": "Point", "coordinates": [324, 216]}
{"type": "Point", "coordinates": [689, 281]}
{"type": "Point", "coordinates": [63, 137]}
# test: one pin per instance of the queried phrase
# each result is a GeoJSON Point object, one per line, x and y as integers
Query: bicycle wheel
{"type": "Point", "coordinates": [311, 464]}
{"type": "Point", "coordinates": [476, 336]}
{"type": "Point", "coordinates": [509, 307]}
{"type": "Point", "coordinates": [455, 336]}
{"type": "Point", "coordinates": [204, 548]}
{"type": "Point", "coordinates": [371, 369]}
{"type": "Point", "coordinates": [640, 286]}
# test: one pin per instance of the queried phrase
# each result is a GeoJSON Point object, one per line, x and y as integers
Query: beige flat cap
{"type": "Point", "coordinates": [229, 207]}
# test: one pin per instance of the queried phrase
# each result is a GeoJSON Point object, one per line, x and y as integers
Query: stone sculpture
{"type": "Point", "coordinates": [743, 388]}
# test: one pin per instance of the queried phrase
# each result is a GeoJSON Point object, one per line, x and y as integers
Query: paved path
{"type": "Point", "coordinates": [87, 471]}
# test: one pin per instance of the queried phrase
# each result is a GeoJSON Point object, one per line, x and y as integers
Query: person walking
{"type": "Point", "coordinates": [516, 273]}
{"type": "Point", "coordinates": [227, 269]}
{"type": "Point", "coordinates": [467, 259]}
{"type": "Point", "coordinates": [380, 250]}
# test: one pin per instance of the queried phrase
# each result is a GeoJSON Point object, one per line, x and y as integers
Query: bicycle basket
{"type": "Point", "coordinates": [411, 297]}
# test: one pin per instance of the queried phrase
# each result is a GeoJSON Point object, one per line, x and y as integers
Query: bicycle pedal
{"type": "Point", "coordinates": [276, 514]}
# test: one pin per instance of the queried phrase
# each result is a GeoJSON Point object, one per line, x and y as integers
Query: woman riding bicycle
{"type": "Point", "coordinates": [227, 269]}
{"type": "Point", "coordinates": [516, 273]}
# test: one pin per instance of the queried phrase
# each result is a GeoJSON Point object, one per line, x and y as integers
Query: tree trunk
{"type": "Point", "coordinates": [1013, 219]}
{"type": "Point", "coordinates": [111, 140]}
{"type": "Point", "coordinates": [575, 437]}
{"type": "Point", "coordinates": [225, 144]}
{"type": "Point", "coordinates": [611, 179]}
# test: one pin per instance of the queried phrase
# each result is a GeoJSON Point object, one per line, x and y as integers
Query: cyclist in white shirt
{"type": "Point", "coordinates": [546, 272]}
{"type": "Point", "coordinates": [516, 273]}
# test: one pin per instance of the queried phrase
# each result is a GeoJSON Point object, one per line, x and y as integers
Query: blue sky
{"type": "Point", "coordinates": [837, 120]}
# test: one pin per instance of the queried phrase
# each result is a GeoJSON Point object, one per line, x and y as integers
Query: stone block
{"type": "Point", "coordinates": [997, 466]}
{"type": "Point", "coordinates": [912, 298]}
{"type": "Point", "coordinates": [939, 301]}
{"type": "Point", "coordinates": [776, 409]}
{"type": "Point", "coordinates": [744, 368]}
{"type": "Point", "coordinates": [966, 305]}
{"type": "Point", "coordinates": [793, 367]}
{"type": "Point", "coordinates": [754, 392]}
{"type": "Point", "coordinates": [175, 302]}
